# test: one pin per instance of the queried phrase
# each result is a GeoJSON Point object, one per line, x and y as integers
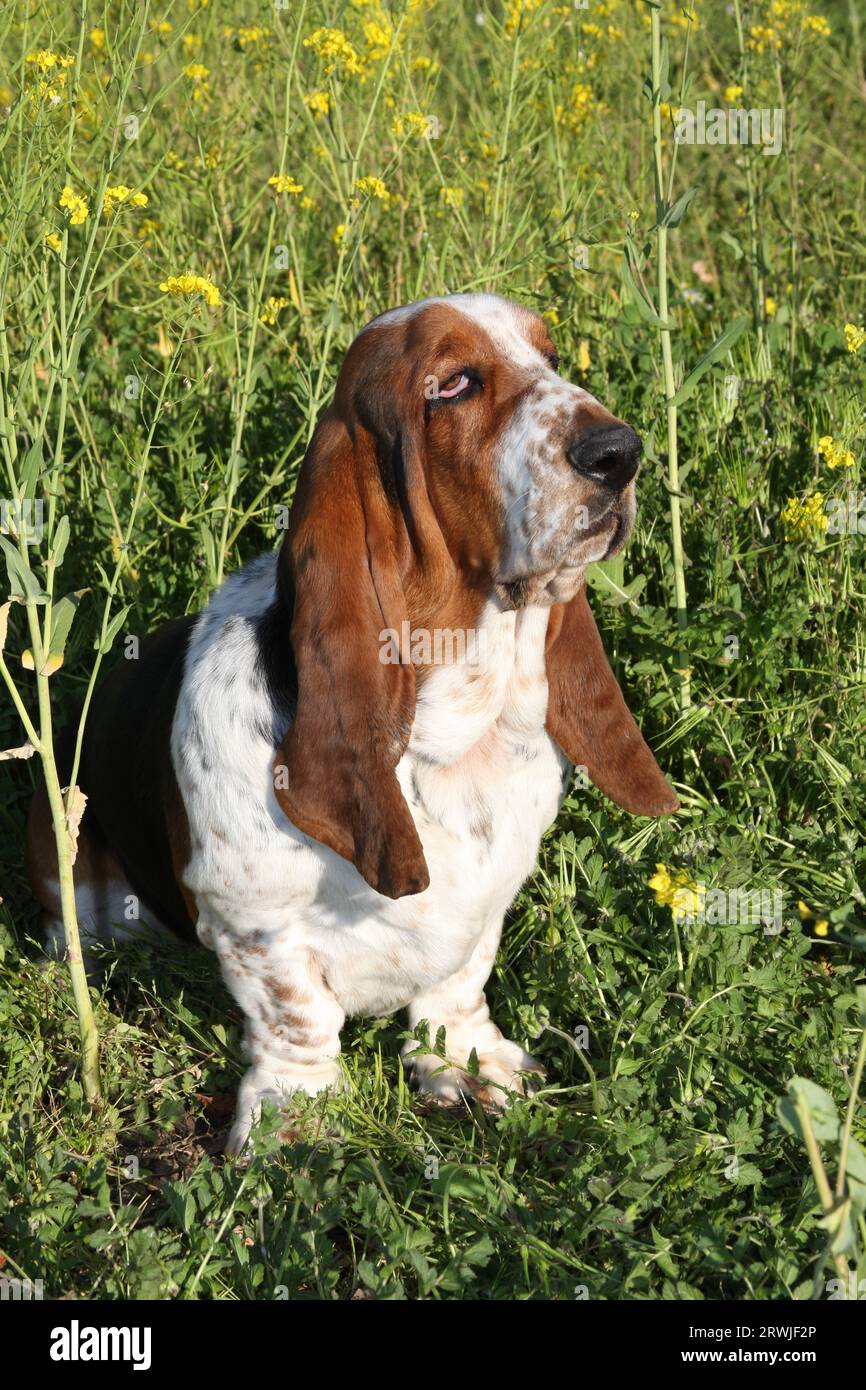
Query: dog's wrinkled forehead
{"type": "Point", "coordinates": [516, 335]}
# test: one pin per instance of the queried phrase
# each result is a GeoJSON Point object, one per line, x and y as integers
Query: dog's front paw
{"type": "Point", "coordinates": [259, 1085]}
{"type": "Point", "coordinates": [502, 1076]}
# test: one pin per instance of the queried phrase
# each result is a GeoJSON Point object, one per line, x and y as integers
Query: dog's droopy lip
{"type": "Point", "coordinates": [620, 534]}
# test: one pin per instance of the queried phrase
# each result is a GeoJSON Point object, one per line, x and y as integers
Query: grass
{"type": "Point", "coordinates": [662, 1159]}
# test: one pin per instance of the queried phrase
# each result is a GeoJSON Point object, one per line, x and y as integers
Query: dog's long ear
{"type": "Point", "coordinates": [342, 569]}
{"type": "Point", "coordinates": [587, 715]}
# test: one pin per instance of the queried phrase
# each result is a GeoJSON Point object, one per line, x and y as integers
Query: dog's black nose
{"type": "Point", "coordinates": [609, 454]}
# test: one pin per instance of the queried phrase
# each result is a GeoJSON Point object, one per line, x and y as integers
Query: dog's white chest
{"type": "Point", "coordinates": [482, 779]}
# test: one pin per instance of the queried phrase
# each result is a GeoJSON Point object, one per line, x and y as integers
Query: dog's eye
{"type": "Point", "coordinates": [553, 359]}
{"type": "Point", "coordinates": [456, 384]}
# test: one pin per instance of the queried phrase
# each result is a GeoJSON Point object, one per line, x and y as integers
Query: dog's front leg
{"type": "Point", "coordinates": [293, 1022]}
{"type": "Point", "coordinates": [459, 1005]}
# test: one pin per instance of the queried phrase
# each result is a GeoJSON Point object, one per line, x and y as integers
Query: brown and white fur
{"type": "Point", "coordinates": [347, 834]}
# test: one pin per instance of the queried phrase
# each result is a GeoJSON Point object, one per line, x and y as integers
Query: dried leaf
{"type": "Point", "coordinates": [25, 751]}
{"type": "Point", "coordinates": [73, 818]}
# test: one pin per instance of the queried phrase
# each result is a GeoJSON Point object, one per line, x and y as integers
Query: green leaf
{"type": "Point", "coordinates": [674, 215]}
{"type": "Point", "coordinates": [642, 304]}
{"type": "Point", "coordinates": [616, 594]}
{"type": "Point", "coordinates": [733, 243]}
{"type": "Point", "coordinates": [457, 1181]}
{"type": "Point", "coordinates": [31, 469]}
{"type": "Point", "coordinates": [723, 343]}
{"type": "Point", "coordinates": [820, 1106]}
{"type": "Point", "coordinates": [112, 630]}
{"type": "Point", "coordinates": [59, 544]}
{"type": "Point", "coordinates": [61, 621]}
{"type": "Point", "coordinates": [23, 584]}
{"type": "Point", "coordinates": [855, 1174]}
{"type": "Point", "coordinates": [838, 1222]}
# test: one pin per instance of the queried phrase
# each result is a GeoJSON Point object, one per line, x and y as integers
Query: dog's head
{"type": "Point", "coordinates": [455, 468]}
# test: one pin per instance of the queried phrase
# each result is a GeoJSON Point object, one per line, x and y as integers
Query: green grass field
{"type": "Point", "coordinates": [315, 162]}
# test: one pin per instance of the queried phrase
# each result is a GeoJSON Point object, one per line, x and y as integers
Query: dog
{"type": "Point", "coordinates": [296, 778]}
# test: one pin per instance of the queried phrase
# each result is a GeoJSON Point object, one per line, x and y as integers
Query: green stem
{"type": "Point", "coordinates": [756, 271]}
{"type": "Point", "coordinates": [820, 1176]}
{"type": "Point", "coordinates": [74, 958]}
{"type": "Point", "coordinates": [849, 1117]}
{"type": "Point", "coordinates": [668, 367]}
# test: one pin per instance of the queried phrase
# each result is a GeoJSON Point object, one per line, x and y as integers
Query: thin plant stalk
{"type": "Point", "coordinates": [670, 388]}
{"type": "Point", "coordinates": [756, 259]}
{"type": "Point", "coordinates": [819, 1173]}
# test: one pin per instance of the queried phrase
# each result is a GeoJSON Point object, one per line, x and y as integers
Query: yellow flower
{"type": "Point", "coordinates": [97, 39]}
{"type": "Point", "coordinates": [413, 123]}
{"type": "Point", "coordinates": [769, 306]}
{"type": "Point", "coordinates": [855, 337]}
{"type": "Point", "coordinates": [283, 183]}
{"type": "Point", "coordinates": [378, 39]}
{"type": "Point", "coordinates": [583, 357]}
{"type": "Point", "coordinates": [762, 36]}
{"type": "Point", "coordinates": [146, 229]}
{"type": "Point", "coordinates": [822, 924]}
{"type": "Point", "coordinates": [802, 518]}
{"type": "Point", "coordinates": [660, 883]}
{"type": "Point", "coordinates": [45, 59]}
{"type": "Point", "coordinates": [834, 454]}
{"type": "Point", "coordinates": [451, 196]}
{"type": "Point", "coordinates": [733, 93]}
{"type": "Point", "coordinates": [198, 75]}
{"type": "Point", "coordinates": [552, 316]}
{"type": "Point", "coordinates": [53, 240]}
{"type": "Point", "coordinates": [339, 234]}
{"type": "Point", "coordinates": [121, 194]}
{"type": "Point", "coordinates": [75, 205]}
{"type": "Point", "coordinates": [191, 44]}
{"type": "Point", "coordinates": [49, 90]}
{"type": "Point", "coordinates": [319, 103]}
{"type": "Point", "coordinates": [818, 24]}
{"type": "Point", "coordinates": [334, 50]}
{"type": "Point", "coordinates": [373, 187]}
{"type": "Point", "coordinates": [677, 891]}
{"type": "Point", "coordinates": [516, 13]}
{"type": "Point", "coordinates": [252, 33]}
{"type": "Point", "coordinates": [272, 308]}
{"type": "Point", "coordinates": [160, 26]}
{"type": "Point", "coordinates": [580, 107]}
{"type": "Point", "coordinates": [189, 284]}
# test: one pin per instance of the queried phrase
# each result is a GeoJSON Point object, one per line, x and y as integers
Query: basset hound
{"type": "Point", "coordinates": [300, 777]}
